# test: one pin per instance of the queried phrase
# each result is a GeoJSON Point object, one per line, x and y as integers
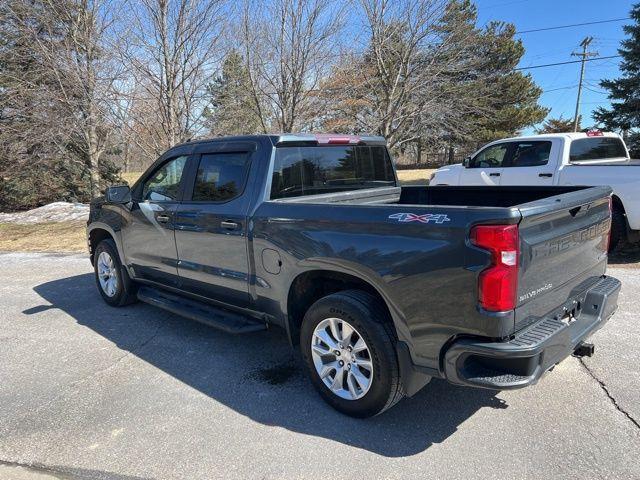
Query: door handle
{"type": "Point", "coordinates": [163, 218]}
{"type": "Point", "coordinates": [494, 174]}
{"type": "Point", "coordinates": [548, 175]}
{"type": "Point", "coordinates": [229, 225]}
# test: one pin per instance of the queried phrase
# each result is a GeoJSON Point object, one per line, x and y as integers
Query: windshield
{"type": "Point", "coordinates": [326, 169]}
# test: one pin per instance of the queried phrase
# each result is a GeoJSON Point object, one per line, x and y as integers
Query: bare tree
{"type": "Point", "coordinates": [140, 135]}
{"type": "Point", "coordinates": [389, 87]}
{"type": "Point", "coordinates": [172, 54]}
{"type": "Point", "coordinates": [289, 46]}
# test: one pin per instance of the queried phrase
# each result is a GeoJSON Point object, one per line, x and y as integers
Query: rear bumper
{"type": "Point", "coordinates": [522, 360]}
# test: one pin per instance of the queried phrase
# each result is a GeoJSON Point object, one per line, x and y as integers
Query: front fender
{"type": "Point", "coordinates": [449, 175]}
{"type": "Point", "coordinates": [115, 234]}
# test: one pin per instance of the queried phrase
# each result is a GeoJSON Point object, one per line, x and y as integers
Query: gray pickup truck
{"type": "Point", "coordinates": [382, 287]}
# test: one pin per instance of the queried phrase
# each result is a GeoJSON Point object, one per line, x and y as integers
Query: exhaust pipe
{"type": "Point", "coordinates": [584, 349]}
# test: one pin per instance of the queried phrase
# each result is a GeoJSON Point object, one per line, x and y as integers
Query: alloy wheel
{"type": "Point", "coordinates": [342, 358]}
{"type": "Point", "coordinates": [107, 274]}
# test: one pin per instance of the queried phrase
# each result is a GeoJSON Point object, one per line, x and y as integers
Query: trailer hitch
{"type": "Point", "coordinates": [584, 349]}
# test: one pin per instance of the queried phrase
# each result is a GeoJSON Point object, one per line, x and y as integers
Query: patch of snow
{"type": "Point", "coordinates": [53, 212]}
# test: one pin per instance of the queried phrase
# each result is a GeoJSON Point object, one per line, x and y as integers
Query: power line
{"type": "Point", "coordinates": [559, 88]}
{"type": "Point", "coordinates": [573, 25]}
{"type": "Point", "coordinates": [566, 63]}
{"type": "Point", "coordinates": [601, 92]}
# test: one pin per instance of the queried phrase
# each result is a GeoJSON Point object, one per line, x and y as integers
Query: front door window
{"type": "Point", "coordinates": [164, 184]}
{"type": "Point", "coordinates": [490, 157]}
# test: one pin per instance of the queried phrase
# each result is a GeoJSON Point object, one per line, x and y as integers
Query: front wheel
{"type": "Point", "coordinates": [348, 346]}
{"type": "Point", "coordinates": [112, 280]}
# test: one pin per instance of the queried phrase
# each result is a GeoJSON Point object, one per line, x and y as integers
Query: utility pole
{"type": "Point", "coordinates": [584, 54]}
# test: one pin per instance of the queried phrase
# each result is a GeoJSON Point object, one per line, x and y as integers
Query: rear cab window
{"type": "Point", "coordinates": [596, 148]}
{"type": "Point", "coordinates": [312, 170]}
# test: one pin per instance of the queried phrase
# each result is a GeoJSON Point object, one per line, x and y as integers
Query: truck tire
{"type": "Point", "coordinates": [618, 229]}
{"type": "Point", "coordinates": [348, 346]}
{"type": "Point", "coordinates": [114, 284]}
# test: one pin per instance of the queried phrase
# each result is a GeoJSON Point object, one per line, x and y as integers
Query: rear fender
{"type": "Point", "coordinates": [339, 265]}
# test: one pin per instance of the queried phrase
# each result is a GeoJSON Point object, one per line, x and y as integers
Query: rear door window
{"type": "Point", "coordinates": [220, 177]}
{"type": "Point", "coordinates": [530, 154]}
{"type": "Point", "coordinates": [313, 170]}
{"type": "Point", "coordinates": [596, 148]}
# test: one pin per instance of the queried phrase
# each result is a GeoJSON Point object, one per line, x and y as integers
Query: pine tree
{"type": "Point", "coordinates": [557, 125]}
{"type": "Point", "coordinates": [498, 101]}
{"type": "Point", "coordinates": [510, 101]}
{"type": "Point", "coordinates": [624, 114]}
{"type": "Point", "coordinates": [515, 99]}
{"type": "Point", "coordinates": [232, 110]}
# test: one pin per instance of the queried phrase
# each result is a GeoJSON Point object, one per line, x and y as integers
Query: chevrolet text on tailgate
{"type": "Point", "coordinates": [381, 287]}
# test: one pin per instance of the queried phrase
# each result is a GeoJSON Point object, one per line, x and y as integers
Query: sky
{"type": "Point", "coordinates": [560, 83]}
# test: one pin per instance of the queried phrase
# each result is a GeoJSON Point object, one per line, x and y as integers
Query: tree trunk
{"type": "Point", "coordinates": [94, 157]}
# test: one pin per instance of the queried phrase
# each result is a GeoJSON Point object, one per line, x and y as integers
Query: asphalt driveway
{"type": "Point", "coordinates": [88, 391]}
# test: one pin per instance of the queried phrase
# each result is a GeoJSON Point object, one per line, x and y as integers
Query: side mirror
{"type": "Point", "coordinates": [466, 161]}
{"type": "Point", "coordinates": [119, 194]}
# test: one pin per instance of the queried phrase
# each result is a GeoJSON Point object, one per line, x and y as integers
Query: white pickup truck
{"type": "Point", "coordinates": [591, 158]}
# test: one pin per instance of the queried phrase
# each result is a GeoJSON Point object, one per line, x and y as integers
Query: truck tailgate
{"type": "Point", "coordinates": [563, 250]}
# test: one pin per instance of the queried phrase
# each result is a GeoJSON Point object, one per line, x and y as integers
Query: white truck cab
{"type": "Point", "coordinates": [585, 158]}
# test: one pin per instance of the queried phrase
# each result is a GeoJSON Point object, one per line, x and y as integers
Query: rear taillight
{"type": "Point", "coordinates": [498, 283]}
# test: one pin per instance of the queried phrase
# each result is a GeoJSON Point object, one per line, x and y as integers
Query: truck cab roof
{"type": "Point", "coordinates": [286, 139]}
{"type": "Point", "coordinates": [566, 135]}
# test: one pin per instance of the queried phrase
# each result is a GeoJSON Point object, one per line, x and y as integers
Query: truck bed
{"type": "Point", "coordinates": [480, 196]}
{"type": "Point", "coordinates": [468, 196]}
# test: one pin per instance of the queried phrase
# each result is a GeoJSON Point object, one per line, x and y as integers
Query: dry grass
{"type": "Point", "coordinates": [43, 237]}
{"type": "Point", "coordinates": [415, 177]}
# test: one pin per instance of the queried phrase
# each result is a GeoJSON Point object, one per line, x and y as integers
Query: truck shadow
{"type": "Point", "coordinates": [627, 254]}
{"type": "Point", "coordinates": [260, 377]}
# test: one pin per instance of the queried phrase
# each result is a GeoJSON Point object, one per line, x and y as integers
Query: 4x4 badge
{"type": "Point", "coordinates": [424, 218]}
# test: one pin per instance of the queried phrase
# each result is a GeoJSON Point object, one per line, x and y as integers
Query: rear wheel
{"type": "Point", "coordinates": [112, 280]}
{"type": "Point", "coordinates": [348, 346]}
{"type": "Point", "coordinates": [618, 229]}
